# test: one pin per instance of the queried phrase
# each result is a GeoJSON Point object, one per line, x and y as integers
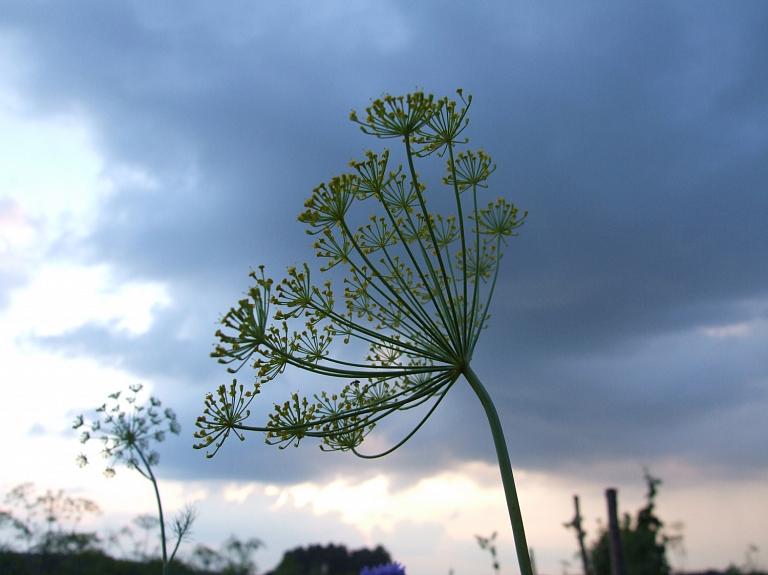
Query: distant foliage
{"type": "Point", "coordinates": [44, 524]}
{"type": "Point", "coordinates": [233, 558]}
{"type": "Point", "coordinates": [329, 560]}
{"type": "Point", "coordinates": [489, 543]}
{"type": "Point", "coordinates": [40, 534]}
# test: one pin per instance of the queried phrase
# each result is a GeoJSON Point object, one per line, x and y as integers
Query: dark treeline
{"type": "Point", "coordinates": [312, 560]}
{"type": "Point", "coordinates": [91, 562]}
{"type": "Point", "coordinates": [329, 560]}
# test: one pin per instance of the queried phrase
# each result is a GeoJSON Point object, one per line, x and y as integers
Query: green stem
{"type": "Point", "coordinates": [505, 467]}
{"type": "Point", "coordinates": [159, 511]}
{"type": "Point", "coordinates": [467, 328]}
{"type": "Point", "coordinates": [451, 321]}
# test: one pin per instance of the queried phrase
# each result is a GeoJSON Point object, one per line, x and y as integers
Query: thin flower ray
{"type": "Point", "coordinates": [444, 297]}
{"type": "Point", "coordinates": [398, 319]}
{"type": "Point", "coordinates": [410, 434]}
{"type": "Point", "coordinates": [296, 418]}
{"type": "Point", "coordinates": [385, 289]}
{"type": "Point", "coordinates": [323, 311]}
{"type": "Point", "coordinates": [445, 127]}
{"type": "Point", "coordinates": [396, 116]}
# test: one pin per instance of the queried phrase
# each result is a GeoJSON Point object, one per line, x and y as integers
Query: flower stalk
{"type": "Point", "coordinates": [127, 435]}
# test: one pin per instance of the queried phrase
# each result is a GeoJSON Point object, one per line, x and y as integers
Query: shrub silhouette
{"type": "Point", "coordinates": [329, 560]}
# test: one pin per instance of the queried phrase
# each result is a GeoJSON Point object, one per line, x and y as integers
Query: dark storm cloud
{"type": "Point", "coordinates": [636, 136]}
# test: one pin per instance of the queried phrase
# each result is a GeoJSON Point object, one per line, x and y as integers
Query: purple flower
{"type": "Point", "coordinates": [384, 569]}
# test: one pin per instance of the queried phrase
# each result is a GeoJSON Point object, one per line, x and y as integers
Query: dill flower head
{"type": "Point", "coordinates": [416, 291]}
{"type": "Point", "coordinates": [127, 430]}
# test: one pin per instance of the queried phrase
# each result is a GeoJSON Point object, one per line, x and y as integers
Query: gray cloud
{"type": "Point", "coordinates": [634, 135]}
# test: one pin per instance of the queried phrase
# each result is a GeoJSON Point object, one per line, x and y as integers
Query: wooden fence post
{"type": "Point", "coordinates": [614, 536]}
{"type": "Point", "coordinates": [580, 533]}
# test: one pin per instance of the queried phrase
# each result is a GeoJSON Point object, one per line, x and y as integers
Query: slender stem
{"type": "Point", "coordinates": [479, 326]}
{"type": "Point", "coordinates": [407, 437]}
{"type": "Point", "coordinates": [378, 409]}
{"type": "Point", "coordinates": [505, 467]}
{"type": "Point", "coordinates": [178, 542]}
{"type": "Point", "coordinates": [467, 328]}
{"type": "Point", "coordinates": [159, 510]}
{"type": "Point", "coordinates": [451, 321]}
{"type": "Point", "coordinates": [423, 321]}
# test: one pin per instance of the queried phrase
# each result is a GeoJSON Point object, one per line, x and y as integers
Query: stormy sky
{"type": "Point", "coordinates": [631, 319]}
